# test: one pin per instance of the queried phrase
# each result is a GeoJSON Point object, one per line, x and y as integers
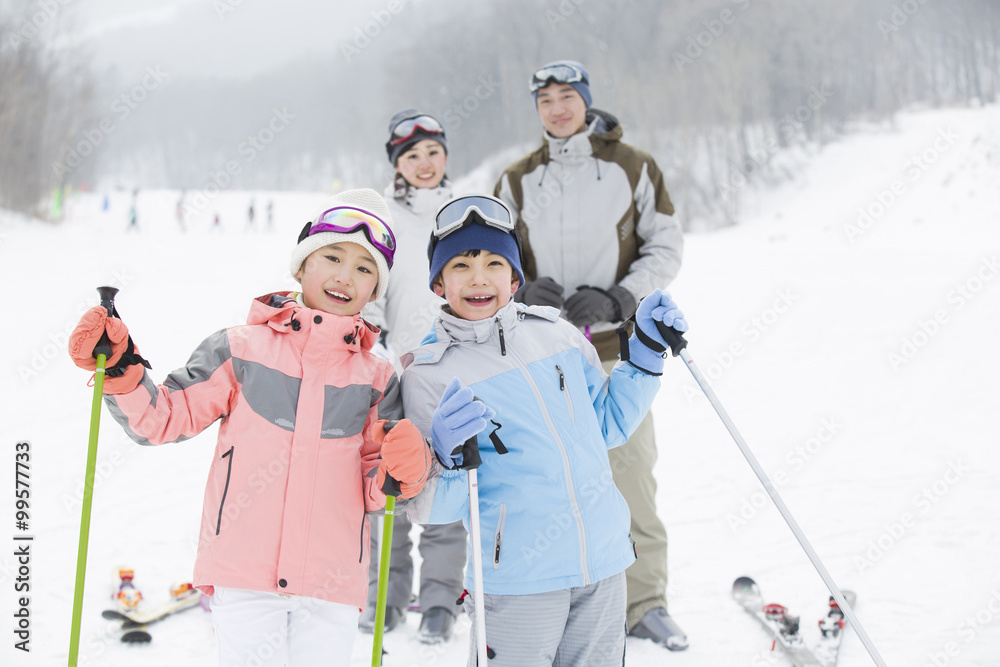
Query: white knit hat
{"type": "Point", "coordinates": [365, 199]}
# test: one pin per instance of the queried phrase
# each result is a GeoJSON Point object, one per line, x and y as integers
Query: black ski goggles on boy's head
{"type": "Point", "coordinates": [562, 73]}
{"type": "Point", "coordinates": [464, 211]}
{"type": "Point", "coordinates": [405, 129]}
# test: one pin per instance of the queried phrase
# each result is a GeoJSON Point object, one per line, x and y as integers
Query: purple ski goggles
{"type": "Point", "coordinates": [346, 219]}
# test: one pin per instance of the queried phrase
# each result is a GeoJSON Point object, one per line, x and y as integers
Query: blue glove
{"type": "Point", "coordinates": [657, 306]}
{"type": "Point", "coordinates": [458, 417]}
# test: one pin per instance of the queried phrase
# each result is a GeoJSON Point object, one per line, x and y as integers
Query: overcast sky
{"type": "Point", "coordinates": [222, 38]}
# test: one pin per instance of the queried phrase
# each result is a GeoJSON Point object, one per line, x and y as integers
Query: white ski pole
{"type": "Point", "coordinates": [477, 566]}
{"type": "Point", "coordinates": [678, 344]}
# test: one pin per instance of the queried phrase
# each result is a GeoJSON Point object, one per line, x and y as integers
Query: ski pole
{"type": "Point", "coordinates": [678, 343]}
{"type": "Point", "coordinates": [477, 566]}
{"type": "Point", "coordinates": [102, 351]}
{"type": "Point", "coordinates": [391, 489]}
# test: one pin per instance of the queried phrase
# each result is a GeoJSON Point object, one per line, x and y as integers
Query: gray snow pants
{"type": "Point", "coordinates": [442, 548]}
{"type": "Point", "coordinates": [574, 627]}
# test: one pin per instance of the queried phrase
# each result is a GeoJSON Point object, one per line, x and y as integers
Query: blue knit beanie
{"type": "Point", "coordinates": [476, 237]}
{"type": "Point", "coordinates": [580, 86]}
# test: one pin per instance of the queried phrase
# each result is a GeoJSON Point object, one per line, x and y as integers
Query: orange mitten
{"type": "Point", "coordinates": [405, 456]}
{"type": "Point", "coordinates": [94, 324]}
{"type": "Point", "coordinates": [124, 366]}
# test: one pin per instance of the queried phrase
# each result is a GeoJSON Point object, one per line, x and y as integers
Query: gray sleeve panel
{"type": "Point", "coordinates": [212, 353]}
{"type": "Point", "coordinates": [116, 412]}
{"type": "Point", "coordinates": [345, 410]}
{"type": "Point", "coordinates": [391, 405]}
{"type": "Point", "coordinates": [270, 393]}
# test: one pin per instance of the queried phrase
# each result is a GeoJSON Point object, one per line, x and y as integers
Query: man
{"type": "Point", "coordinates": [597, 234]}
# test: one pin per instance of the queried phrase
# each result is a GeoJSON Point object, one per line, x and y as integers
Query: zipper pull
{"type": "Point", "coordinates": [562, 379]}
{"type": "Point", "coordinates": [503, 345]}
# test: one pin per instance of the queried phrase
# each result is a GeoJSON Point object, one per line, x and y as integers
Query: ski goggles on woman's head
{"type": "Point", "coordinates": [458, 213]}
{"type": "Point", "coordinates": [346, 219]}
{"type": "Point", "coordinates": [405, 129]}
{"type": "Point", "coordinates": [559, 73]}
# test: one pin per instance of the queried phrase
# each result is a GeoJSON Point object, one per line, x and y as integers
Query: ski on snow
{"type": "Point", "coordinates": [134, 620]}
{"type": "Point", "coordinates": [784, 628]}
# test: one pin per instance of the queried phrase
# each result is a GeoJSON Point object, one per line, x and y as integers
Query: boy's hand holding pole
{"type": "Point", "coordinates": [657, 313]}
{"type": "Point", "coordinates": [458, 419]}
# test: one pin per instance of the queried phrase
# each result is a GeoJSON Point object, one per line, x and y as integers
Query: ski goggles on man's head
{"type": "Point", "coordinates": [346, 219]}
{"type": "Point", "coordinates": [405, 129]}
{"type": "Point", "coordinates": [562, 73]}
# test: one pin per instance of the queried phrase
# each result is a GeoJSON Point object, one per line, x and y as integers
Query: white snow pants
{"type": "Point", "coordinates": [256, 629]}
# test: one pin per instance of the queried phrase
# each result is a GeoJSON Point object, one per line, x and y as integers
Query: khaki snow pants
{"type": "Point", "coordinates": [632, 469]}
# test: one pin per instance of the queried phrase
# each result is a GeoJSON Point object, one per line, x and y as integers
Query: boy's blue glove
{"type": "Point", "coordinates": [657, 306]}
{"type": "Point", "coordinates": [458, 417]}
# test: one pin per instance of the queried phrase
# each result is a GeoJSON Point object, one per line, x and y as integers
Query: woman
{"type": "Point", "coordinates": [418, 150]}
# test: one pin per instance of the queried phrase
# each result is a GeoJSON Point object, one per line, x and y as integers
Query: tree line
{"type": "Point", "coordinates": [714, 89]}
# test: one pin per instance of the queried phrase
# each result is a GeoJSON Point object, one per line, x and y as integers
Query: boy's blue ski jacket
{"type": "Point", "coordinates": [551, 517]}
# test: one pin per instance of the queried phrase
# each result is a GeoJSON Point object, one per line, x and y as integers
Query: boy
{"type": "Point", "coordinates": [555, 537]}
{"type": "Point", "coordinates": [298, 394]}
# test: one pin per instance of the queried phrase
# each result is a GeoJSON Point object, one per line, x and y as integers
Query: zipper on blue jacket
{"type": "Point", "coordinates": [498, 536]}
{"type": "Point", "coordinates": [503, 346]}
{"type": "Point", "coordinates": [562, 388]}
{"type": "Point", "coordinates": [570, 489]}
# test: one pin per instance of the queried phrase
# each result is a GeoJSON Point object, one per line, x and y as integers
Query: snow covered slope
{"type": "Point", "coordinates": [845, 325]}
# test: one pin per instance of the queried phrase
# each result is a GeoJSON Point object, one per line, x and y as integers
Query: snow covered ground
{"type": "Point", "coordinates": [845, 324]}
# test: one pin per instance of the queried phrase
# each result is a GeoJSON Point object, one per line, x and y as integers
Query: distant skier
{"type": "Point", "coordinates": [250, 216]}
{"type": "Point", "coordinates": [270, 215]}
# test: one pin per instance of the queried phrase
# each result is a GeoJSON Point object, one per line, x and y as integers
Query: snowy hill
{"type": "Point", "coordinates": [845, 325]}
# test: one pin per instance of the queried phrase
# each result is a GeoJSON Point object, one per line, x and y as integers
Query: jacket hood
{"type": "Point", "coordinates": [603, 128]}
{"type": "Point", "coordinates": [281, 312]}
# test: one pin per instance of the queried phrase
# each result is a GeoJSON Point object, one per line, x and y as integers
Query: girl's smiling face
{"type": "Point", "coordinates": [339, 279]}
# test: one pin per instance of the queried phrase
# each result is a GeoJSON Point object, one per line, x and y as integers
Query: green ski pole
{"type": "Point", "coordinates": [391, 489]}
{"type": "Point", "coordinates": [102, 351]}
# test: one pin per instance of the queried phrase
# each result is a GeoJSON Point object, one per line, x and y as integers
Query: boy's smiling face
{"type": "Point", "coordinates": [339, 279]}
{"type": "Point", "coordinates": [476, 284]}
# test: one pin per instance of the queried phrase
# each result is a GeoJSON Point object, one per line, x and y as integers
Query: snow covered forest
{"type": "Point", "coordinates": [713, 89]}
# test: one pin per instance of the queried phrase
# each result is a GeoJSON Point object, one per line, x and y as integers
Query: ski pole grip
{"type": "Point", "coordinates": [674, 338]}
{"type": "Point", "coordinates": [390, 486]}
{"type": "Point", "coordinates": [107, 295]}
